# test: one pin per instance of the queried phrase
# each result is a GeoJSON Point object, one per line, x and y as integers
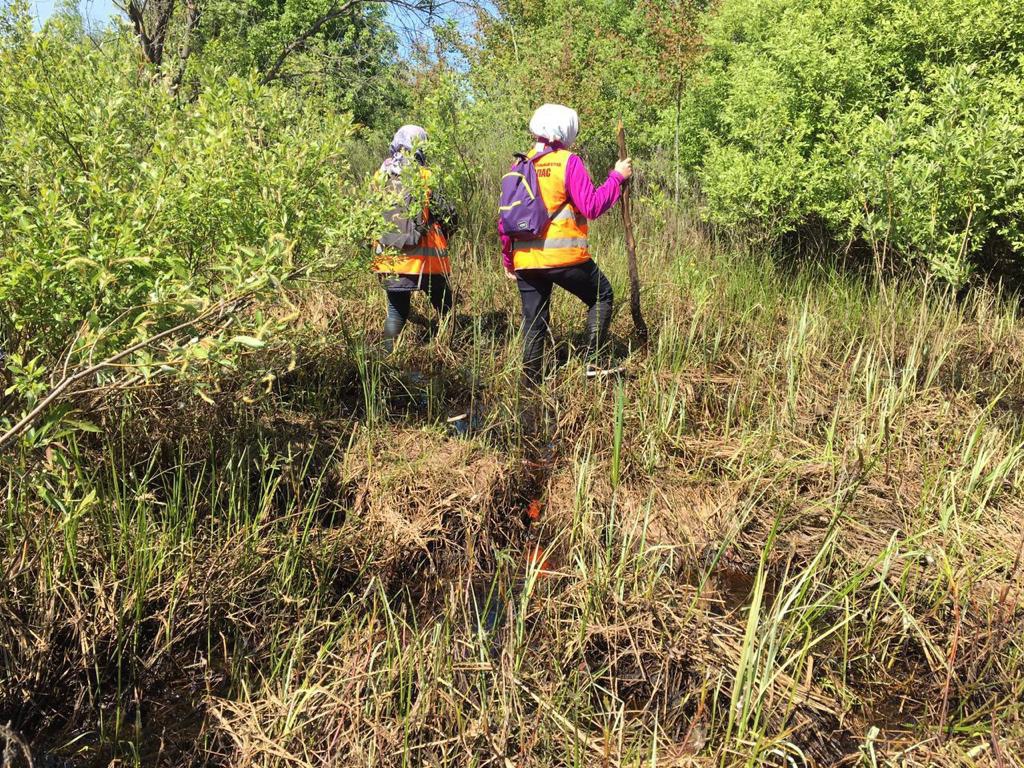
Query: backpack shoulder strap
{"type": "Point", "coordinates": [535, 157]}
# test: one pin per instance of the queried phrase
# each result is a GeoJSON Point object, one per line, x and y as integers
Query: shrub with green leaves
{"type": "Point", "coordinates": [126, 211]}
{"type": "Point", "coordinates": [896, 122]}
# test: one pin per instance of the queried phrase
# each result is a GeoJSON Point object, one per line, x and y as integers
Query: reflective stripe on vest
{"type": "Point", "coordinates": [417, 251]}
{"type": "Point", "coordinates": [564, 241]}
{"type": "Point", "coordinates": [428, 257]}
{"type": "Point", "coordinates": [557, 242]}
{"type": "Point", "coordinates": [568, 213]}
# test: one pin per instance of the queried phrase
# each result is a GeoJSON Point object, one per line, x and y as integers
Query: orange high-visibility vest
{"type": "Point", "coordinates": [428, 257]}
{"type": "Point", "coordinates": [564, 241]}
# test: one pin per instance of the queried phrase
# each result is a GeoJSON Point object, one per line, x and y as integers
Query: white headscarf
{"type": "Point", "coordinates": [556, 123]}
{"type": "Point", "coordinates": [402, 147]}
{"type": "Point", "coordinates": [406, 136]}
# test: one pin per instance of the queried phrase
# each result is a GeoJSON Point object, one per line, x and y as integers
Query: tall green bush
{"type": "Point", "coordinates": [897, 122]}
{"type": "Point", "coordinates": [125, 211]}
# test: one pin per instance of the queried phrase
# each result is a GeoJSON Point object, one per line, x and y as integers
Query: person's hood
{"type": "Point", "coordinates": [406, 136]}
{"type": "Point", "coordinates": [402, 149]}
{"type": "Point", "coordinates": [555, 124]}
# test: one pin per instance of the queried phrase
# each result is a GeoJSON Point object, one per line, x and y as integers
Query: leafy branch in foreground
{"type": "Point", "coordinates": [217, 315]}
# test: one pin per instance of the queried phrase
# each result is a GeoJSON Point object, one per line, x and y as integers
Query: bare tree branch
{"type": "Point", "coordinates": [135, 15]}
{"type": "Point", "coordinates": [427, 8]}
{"type": "Point", "coordinates": [152, 21]}
{"type": "Point", "coordinates": [334, 12]}
{"type": "Point", "coordinates": [220, 311]}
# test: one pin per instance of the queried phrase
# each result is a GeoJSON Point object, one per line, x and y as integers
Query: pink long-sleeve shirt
{"type": "Point", "coordinates": [591, 202]}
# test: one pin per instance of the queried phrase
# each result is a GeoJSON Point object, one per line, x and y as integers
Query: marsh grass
{"type": "Point", "coordinates": [788, 534]}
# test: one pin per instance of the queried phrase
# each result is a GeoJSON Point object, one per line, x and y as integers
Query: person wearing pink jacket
{"type": "Point", "coordinates": [561, 256]}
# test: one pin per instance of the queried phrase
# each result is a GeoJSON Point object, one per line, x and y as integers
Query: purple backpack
{"type": "Point", "coordinates": [522, 211]}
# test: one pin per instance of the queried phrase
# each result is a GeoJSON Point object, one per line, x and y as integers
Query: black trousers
{"type": "Point", "coordinates": [400, 302]}
{"type": "Point", "coordinates": [587, 283]}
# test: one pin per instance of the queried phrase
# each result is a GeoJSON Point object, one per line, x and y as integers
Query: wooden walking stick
{"type": "Point", "coordinates": [634, 276]}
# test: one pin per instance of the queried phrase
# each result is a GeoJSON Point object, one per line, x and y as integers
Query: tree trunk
{"type": "Point", "coordinates": [151, 20]}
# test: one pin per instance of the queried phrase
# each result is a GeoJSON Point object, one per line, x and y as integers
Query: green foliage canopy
{"type": "Point", "coordinates": [350, 61]}
{"type": "Point", "coordinates": [601, 57]}
{"type": "Point", "coordinates": [893, 121]}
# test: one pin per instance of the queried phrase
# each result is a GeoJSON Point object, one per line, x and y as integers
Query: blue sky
{"type": "Point", "coordinates": [94, 11]}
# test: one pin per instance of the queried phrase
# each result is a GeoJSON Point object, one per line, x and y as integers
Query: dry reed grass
{"type": "Point", "coordinates": [789, 535]}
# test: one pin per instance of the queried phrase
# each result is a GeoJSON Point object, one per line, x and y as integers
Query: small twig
{"type": "Point", "coordinates": [997, 750]}
{"type": "Point", "coordinates": [69, 381]}
{"type": "Point", "coordinates": [1004, 593]}
{"type": "Point", "coordinates": [695, 723]}
{"type": "Point", "coordinates": [967, 234]}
